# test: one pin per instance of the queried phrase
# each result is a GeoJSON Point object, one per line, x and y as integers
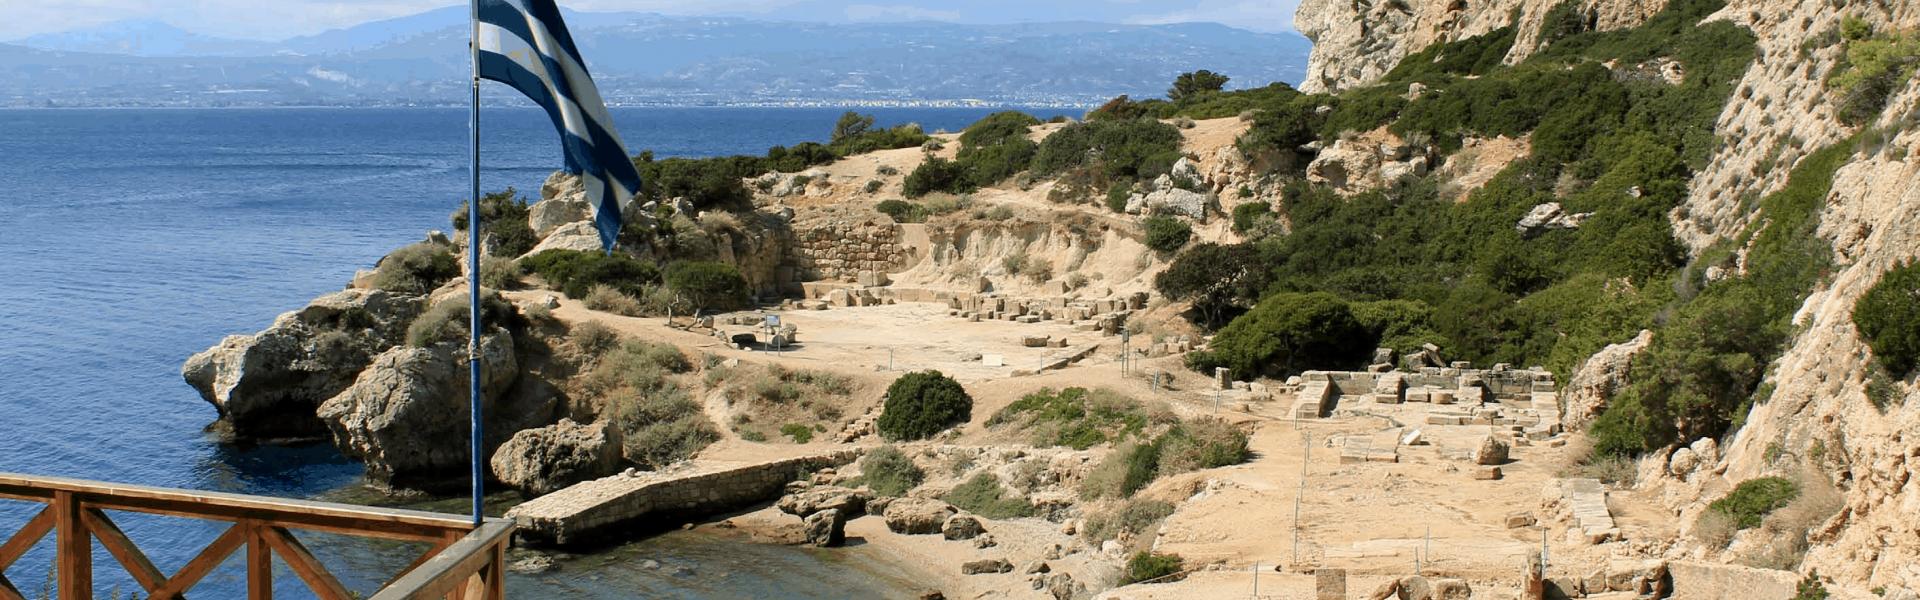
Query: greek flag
{"type": "Point", "coordinates": [524, 44]}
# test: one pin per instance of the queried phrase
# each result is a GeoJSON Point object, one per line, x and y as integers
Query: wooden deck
{"type": "Point", "coordinates": [464, 563]}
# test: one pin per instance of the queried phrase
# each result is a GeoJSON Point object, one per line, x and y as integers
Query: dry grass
{"type": "Point", "coordinates": [1786, 530]}
{"type": "Point", "coordinates": [1609, 469]}
{"type": "Point", "coordinates": [607, 299]}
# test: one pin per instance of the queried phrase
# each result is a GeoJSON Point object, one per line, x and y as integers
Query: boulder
{"type": "Point", "coordinates": [825, 497]}
{"type": "Point", "coordinates": [962, 527]}
{"type": "Point", "coordinates": [986, 566]}
{"type": "Point", "coordinates": [1389, 589]}
{"type": "Point", "coordinates": [405, 416]}
{"type": "Point", "coordinates": [1683, 462]}
{"type": "Point", "coordinates": [1062, 587]}
{"type": "Point", "coordinates": [577, 235]}
{"type": "Point", "coordinates": [1596, 381]}
{"type": "Point", "coordinates": [918, 515]}
{"type": "Point", "coordinates": [1190, 204]}
{"type": "Point", "coordinates": [1034, 341]}
{"type": "Point", "coordinates": [826, 528]}
{"type": "Point", "coordinates": [1548, 216]}
{"type": "Point", "coordinates": [1415, 587]}
{"type": "Point", "coordinates": [1037, 567]}
{"type": "Point", "coordinates": [1518, 519]}
{"type": "Point", "coordinates": [547, 215]}
{"type": "Point", "coordinates": [1492, 451]}
{"type": "Point", "coordinates": [542, 460]}
{"type": "Point", "coordinates": [1451, 589]}
{"type": "Point", "coordinates": [267, 385]}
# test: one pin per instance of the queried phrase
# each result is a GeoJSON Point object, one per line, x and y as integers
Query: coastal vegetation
{"type": "Point", "coordinates": [921, 404]}
{"type": "Point", "coordinates": [983, 495]}
{"type": "Point", "coordinates": [1078, 418]}
{"type": "Point", "coordinates": [889, 472]}
{"type": "Point", "coordinates": [503, 218]}
{"type": "Point", "coordinates": [416, 269]}
{"type": "Point", "coordinates": [1183, 447]}
{"type": "Point", "coordinates": [1888, 317]}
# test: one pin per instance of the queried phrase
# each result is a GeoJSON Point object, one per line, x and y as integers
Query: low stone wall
{"type": "Point", "coordinates": [607, 509]}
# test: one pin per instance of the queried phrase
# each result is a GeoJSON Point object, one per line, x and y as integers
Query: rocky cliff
{"type": "Point", "coordinates": [1817, 413]}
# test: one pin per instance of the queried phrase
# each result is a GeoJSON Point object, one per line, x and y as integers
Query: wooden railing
{"type": "Point", "coordinates": [464, 562]}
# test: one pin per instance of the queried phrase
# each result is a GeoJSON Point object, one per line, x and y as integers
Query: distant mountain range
{"type": "Point", "coordinates": [643, 58]}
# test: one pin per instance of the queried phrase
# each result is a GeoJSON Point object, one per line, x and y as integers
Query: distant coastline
{"type": "Point", "coordinates": [491, 103]}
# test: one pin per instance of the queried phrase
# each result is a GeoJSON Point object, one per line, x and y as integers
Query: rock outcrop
{"type": "Point", "coordinates": [1598, 379]}
{"type": "Point", "coordinates": [1371, 161]}
{"type": "Point", "coordinates": [406, 414]}
{"type": "Point", "coordinates": [267, 385]}
{"type": "Point", "coordinates": [542, 460]}
{"type": "Point", "coordinates": [918, 515]}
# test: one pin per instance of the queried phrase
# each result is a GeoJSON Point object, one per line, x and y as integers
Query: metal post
{"type": "Point", "coordinates": [1256, 581]}
{"type": "Point", "coordinates": [473, 254]}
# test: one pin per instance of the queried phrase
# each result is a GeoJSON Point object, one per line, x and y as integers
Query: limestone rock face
{"type": "Point", "coordinates": [406, 415]}
{"type": "Point", "coordinates": [577, 235]}
{"type": "Point", "coordinates": [267, 385]}
{"type": "Point", "coordinates": [1369, 161]}
{"type": "Point", "coordinates": [542, 460]}
{"type": "Point", "coordinates": [918, 515]}
{"type": "Point", "coordinates": [1549, 216]}
{"type": "Point", "coordinates": [1598, 379]}
{"type": "Point", "coordinates": [548, 215]}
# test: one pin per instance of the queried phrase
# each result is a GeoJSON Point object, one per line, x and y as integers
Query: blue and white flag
{"type": "Point", "coordinates": [523, 43]}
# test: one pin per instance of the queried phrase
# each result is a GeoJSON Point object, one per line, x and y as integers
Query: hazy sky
{"type": "Point", "coordinates": [279, 19]}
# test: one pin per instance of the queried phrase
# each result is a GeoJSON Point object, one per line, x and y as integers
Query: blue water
{"type": "Point", "coordinates": [131, 239]}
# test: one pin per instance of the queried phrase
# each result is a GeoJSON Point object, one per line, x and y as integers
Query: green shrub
{"type": "Point", "coordinates": [1810, 587]}
{"type": "Point", "coordinates": [416, 269]}
{"type": "Point", "coordinates": [854, 134]}
{"type": "Point", "coordinates": [1215, 278]}
{"type": "Point", "coordinates": [1750, 501]}
{"type": "Point", "coordinates": [1154, 567]}
{"type": "Point", "coordinates": [1195, 83]}
{"type": "Point", "coordinates": [446, 320]}
{"type": "Point", "coordinates": [937, 175]}
{"type": "Point", "coordinates": [1167, 235]}
{"type": "Point", "coordinates": [499, 273]}
{"type": "Point", "coordinates": [1137, 516]}
{"type": "Point", "coordinates": [1888, 317]}
{"type": "Point", "coordinates": [1128, 468]}
{"type": "Point", "coordinates": [711, 183]}
{"type": "Point", "coordinates": [801, 434]}
{"type": "Point", "coordinates": [902, 211]}
{"type": "Point", "coordinates": [1136, 149]}
{"type": "Point", "coordinates": [662, 427]}
{"type": "Point", "coordinates": [921, 404]}
{"type": "Point", "coordinates": [1285, 334]}
{"type": "Point", "coordinates": [1075, 417]}
{"type": "Point", "coordinates": [1118, 195]}
{"type": "Point", "coordinates": [575, 273]}
{"type": "Point", "coordinates": [1252, 215]}
{"type": "Point", "coordinates": [888, 472]}
{"type": "Point", "coordinates": [503, 217]}
{"type": "Point", "coordinates": [608, 299]}
{"type": "Point", "coordinates": [1872, 70]}
{"type": "Point", "coordinates": [1202, 444]}
{"type": "Point", "coordinates": [712, 286]}
{"type": "Point", "coordinates": [983, 495]}
{"type": "Point", "coordinates": [592, 338]}
{"type": "Point", "coordinates": [996, 147]}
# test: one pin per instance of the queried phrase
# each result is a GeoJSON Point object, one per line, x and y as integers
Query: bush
{"type": "Point", "coordinates": [503, 217]}
{"type": "Point", "coordinates": [983, 495]}
{"type": "Point", "coordinates": [1167, 234]}
{"type": "Point", "coordinates": [1135, 517]}
{"type": "Point", "coordinates": [1138, 149]}
{"type": "Point", "coordinates": [1202, 444]}
{"type": "Point", "coordinates": [575, 273]}
{"type": "Point", "coordinates": [446, 321]}
{"type": "Point", "coordinates": [902, 211]}
{"type": "Point", "coordinates": [1118, 195]}
{"type": "Point", "coordinates": [1075, 417]}
{"type": "Point", "coordinates": [713, 286]}
{"type": "Point", "coordinates": [662, 427]}
{"type": "Point", "coordinates": [499, 273]}
{"type": "Point", "coordinates": [1750, 501]}
{"type": "Point", "coordinates": [1250, 216]}
{"type": "Point", "coordinates": [854, 134]}
{"type": "Point", "coordinates": [996, 147]}
{"type": "Point", "coordinates": [1888, 317]}
{"type": "Point", "coordinates": [1124, 471]}
{"type": "Point", "coordinates": [607, 299]}
{"type": "Point", "coordinates": [1188, 85]}
{"type": "Point", "coordinates": [714, 183]}
{"type": "Point", "coordinates": [1810, 588]}
{"type": "Point", "coordinates": [921, 404]}
{"type": "Point", "coordinates": [937, 175]}
{"type": "Point", "coordinates": [801, 434]}
{"type": "Point", "coordinates": [1214, 278]}
{"type": "Point", "coordinates": [1285, 334]}
{"type": "Point", "coordinates": [416, 269]}
{"type": "Point", "coordinates": [1871, 71]}
{"type": "Point", "coordinates": [888, 472]}
{"type": "Point", "coordinates": [592, 338]}
{"type": "Point", "coordinates": [1154, 567]}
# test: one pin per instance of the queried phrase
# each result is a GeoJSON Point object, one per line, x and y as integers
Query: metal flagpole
{"type": "Point", "coordinates": [473, 252]}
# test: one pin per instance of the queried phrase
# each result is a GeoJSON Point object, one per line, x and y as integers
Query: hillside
{"type": "Point", "coordinates": [1584, 298]}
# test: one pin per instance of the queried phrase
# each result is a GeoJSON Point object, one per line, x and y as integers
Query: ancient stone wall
{"type": "Point", "coordinates": [839, 249]}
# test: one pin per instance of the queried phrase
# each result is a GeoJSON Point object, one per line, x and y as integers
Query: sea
{"type": "Point", "coordinates": [131, 239]}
